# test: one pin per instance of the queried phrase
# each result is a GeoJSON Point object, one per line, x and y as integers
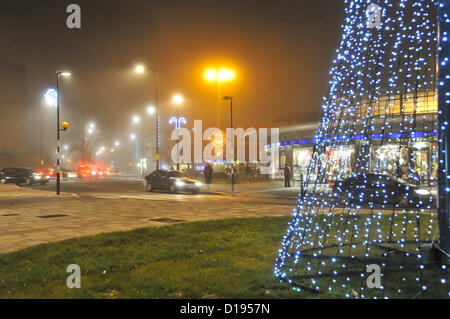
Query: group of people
{"type": "Point", "coordinates": [231, 172]}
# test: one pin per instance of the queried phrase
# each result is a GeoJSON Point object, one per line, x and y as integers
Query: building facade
{"type": "Point", "coordinates": [411, 141]}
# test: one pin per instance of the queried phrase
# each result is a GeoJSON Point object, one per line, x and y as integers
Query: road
{"type": "Point", "coordinates": [132, 187]}
{"type": "Point", "coordinates": [120, 203]}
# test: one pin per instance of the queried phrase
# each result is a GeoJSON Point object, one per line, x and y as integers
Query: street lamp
{"type": "Point", "coordinates": [50, 97]}
{"type": "Point", "coordinates": [232, 180]}
{"type": "Point", "coordinates": [178, 100]}
{"type": "Point", "coordinates": [219, 76]}
{"type": "Point", "coordinates": [58, 130]}
{"type": "Point", "coordinates": [91, 130]}
{"type": "Point", "coordinates": [136, 119]}
{"type": "Point", "coordinates": [177, 122]}
{"type": "Point", "coordinates": [139, 143]}
{"type": "Point", "coordinates": [151, 110]}
{"type": "Point", "coordinates": [141, 69]}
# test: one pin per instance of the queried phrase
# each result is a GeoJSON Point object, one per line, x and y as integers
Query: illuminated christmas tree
{"type": "Point", "coordinates": [382, 108]}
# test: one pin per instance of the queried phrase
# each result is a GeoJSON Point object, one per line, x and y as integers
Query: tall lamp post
{"type": "Point", "coordinates": [50, 97]}
{"type": "Point", "coordinates": [232, 176]}
{"type": "Point", "coordinates": [220, 76]}
{"type": "Point", "coordinates": [58, 130]}
{"type": "Point", "coordinates": [178, 100]}
{"type": "Point", "coordinates": [141, 69]}
{"type": "Point", "coordinates": [139, 143]}
{"type": "Point", "coordinates": [177, 122]}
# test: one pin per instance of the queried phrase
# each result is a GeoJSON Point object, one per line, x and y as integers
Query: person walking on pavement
{"type": "Point", "coordinates": [287, 176]}
{"type": "Point", "coordinates": [249, 173]}
{"type": "Point", "coordinates": [208, 174]}
{"type": "Point", "coordinates": [232, 177]}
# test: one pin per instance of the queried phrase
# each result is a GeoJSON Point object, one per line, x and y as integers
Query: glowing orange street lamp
{"type": "Point", "coordinates": [219, 76]}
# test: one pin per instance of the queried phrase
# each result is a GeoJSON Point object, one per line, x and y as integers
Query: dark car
{"type": "Point", "coordinates": [173, 181]}
{"type": "Point", "coordinates": [377, 189]}
{"type": "Point", "coordinates": [20, 175]}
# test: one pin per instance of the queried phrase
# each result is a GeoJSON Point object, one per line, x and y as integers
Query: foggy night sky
{"type": "Point", "coordinates": [281, 52]}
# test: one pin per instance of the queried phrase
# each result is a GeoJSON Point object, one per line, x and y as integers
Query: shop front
{"type": "Point", "coordinates": [410, 159]}
{"type": "Point", "coordinates": [415, 159]}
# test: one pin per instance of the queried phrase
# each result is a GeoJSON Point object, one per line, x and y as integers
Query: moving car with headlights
{"type": "Point", "coordinates": [21, 175]}
{"type": "Point", "coordinates": [173, 181]}
{"type": "Point", "coordinates": [377, 189]}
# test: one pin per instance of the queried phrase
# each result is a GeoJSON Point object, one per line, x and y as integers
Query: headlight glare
{"type": "Point", "coordinates": [422, 191]}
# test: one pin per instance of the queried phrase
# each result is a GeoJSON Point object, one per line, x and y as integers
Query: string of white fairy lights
{"type": "Point", "coordinates": [374, 68]}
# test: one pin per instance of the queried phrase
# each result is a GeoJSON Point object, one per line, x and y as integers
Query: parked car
{"type": "Point", "coordinates": [172, 181]}
{"type": "Point", "coordinates": [21, 175]}
{"type": "Point", "coordinates": [377, 189]}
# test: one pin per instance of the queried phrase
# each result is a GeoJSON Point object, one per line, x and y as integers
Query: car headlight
{"type": "Point", "coordinates": [198, 184]}
{"type": "Point", "coordinates": [422, 191]}
{"type": "Point", "coordinates": [37, 177]}
{"type": "Point", "coordinates": [180, 183]}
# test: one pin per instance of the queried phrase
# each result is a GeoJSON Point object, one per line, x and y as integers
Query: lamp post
{"type": "Point", "coordinates": [139, 143]}
{"type": "Point", "coordinates": [152, 111]}
{"type": "Point", "coordinates": [50, 97]}
{"type": "Point", "coordinates": [219, 76]}
{"type": "Point", "coordinates": [178, 121]}
{"type": "Point", "coordinates": [178, 100]}
{"type": "Point", "coordinates": [86, 140]}
{"type": "Point", "coordinates": [141, 69]}
{"type": "Point", "coordinates": [134, 138]}
{"type": "Point", "coordinates": [58, 130]}
{"type": "Point", "coordinates": [232, 179]}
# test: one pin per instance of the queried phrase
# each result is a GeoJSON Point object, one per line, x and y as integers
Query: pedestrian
{"type": "Point", "coordinates": [208, 172]}
{"type": "Point", "coordinates": [249, 173]}
{"type": "Point", "coordinates": [232, 177]}
{"type": "Point", "coordinates": [287, 176]}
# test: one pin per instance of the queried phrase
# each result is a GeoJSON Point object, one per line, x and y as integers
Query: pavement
{"type": "Point", "coordinates": [33, 216]}
{"type": "Point", "coordinates": [13, 194]}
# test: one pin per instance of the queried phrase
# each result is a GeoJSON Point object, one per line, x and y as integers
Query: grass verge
{"type": "Point", "coordinates": [215, 259]}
